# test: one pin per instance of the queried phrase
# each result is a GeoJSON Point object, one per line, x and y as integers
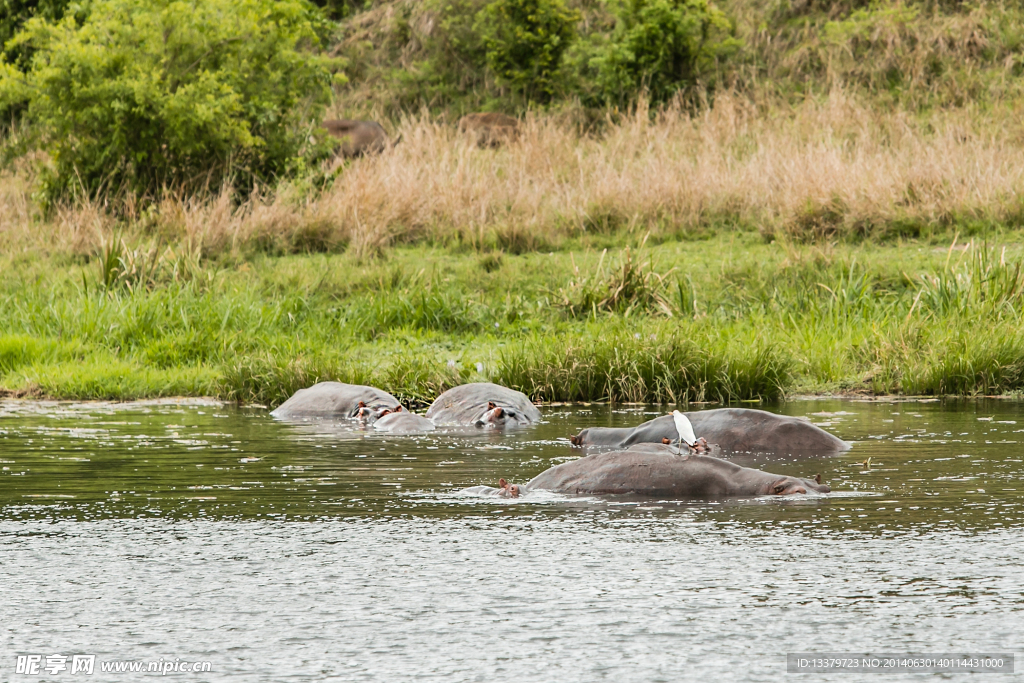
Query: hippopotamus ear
{"type": "Point", "coordinates": [576, 440]}
{"type": "Point", "coordinates": [490, 405]}
{"type": "Point", "coordinates": [817, 478]}
{"type": "Point", "coordinates": [502, 484]}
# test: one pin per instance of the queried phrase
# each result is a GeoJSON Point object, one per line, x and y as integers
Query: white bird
{"type": "Point", "coordinates": [684, 429]}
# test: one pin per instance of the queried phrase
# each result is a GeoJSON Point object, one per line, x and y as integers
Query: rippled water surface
{"type": "Point", "coordinates": [315, 552]}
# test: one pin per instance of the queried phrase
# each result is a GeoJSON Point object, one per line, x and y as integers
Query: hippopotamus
{"type": "Point", "coordinates": [489, 129]}
{"type": "Point", "coordinates": [335, 400]}
{"type": "Point", "coordinates": [732, 430]}
{"type": "Point", "coordinates": [401, 421]}
{"type": "Point", "coordinates": [504, 490]}
{"type": "Point", "coordinates": [661, 471]}
{"type": "Point", "coordinates": [483, 404]}
{"type": "Point", "coordinates": [359, 138]}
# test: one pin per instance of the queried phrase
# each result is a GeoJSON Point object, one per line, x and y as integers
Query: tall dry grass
{"type": "Point", "coordinates": [819, 170]}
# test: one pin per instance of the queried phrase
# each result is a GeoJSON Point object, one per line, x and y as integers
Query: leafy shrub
{"type": "Point", "coordinates": [144, 94]}
{"type": "Point", "coordinates": [525, 40]}
{"type": "Point", "coordinates": [14, 14]}
{"type": "Point", "coordinates": [663, 46]}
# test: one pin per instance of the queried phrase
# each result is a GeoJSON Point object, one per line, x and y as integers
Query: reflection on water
{"type": "Point", "coordinates": [275, 550]}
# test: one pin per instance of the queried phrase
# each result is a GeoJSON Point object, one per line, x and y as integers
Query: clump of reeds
{"type": "Point", "coordinates": [670, 367]}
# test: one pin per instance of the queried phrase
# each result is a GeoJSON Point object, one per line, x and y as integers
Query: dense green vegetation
{"type": "Point", "coordinates": [143, 95]}
{"type": "Point", "coordinates": [730, 318]}
{"type": "Point", "coordinates": [918, 55]}
{"type": "Point", "coordinates": [168, 226]}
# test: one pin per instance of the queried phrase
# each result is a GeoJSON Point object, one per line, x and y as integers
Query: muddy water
{"type": "Point", "coordinates": [199, 532]}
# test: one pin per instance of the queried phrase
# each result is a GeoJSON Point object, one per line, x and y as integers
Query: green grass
{"type": "Point", "coordinates": [728, 318]}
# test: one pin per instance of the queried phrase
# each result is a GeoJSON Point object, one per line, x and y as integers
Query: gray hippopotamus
{"type": "Point", "coordinates": [733, 430]}
{"type": "Point", "coordinates": [401, 421]}
{"type": "Point", "coordinates": [335, 400]}
{"type": "Point", "coordinates": [661, 471]}
{"type": "Point", "coordinates": [483, 405]}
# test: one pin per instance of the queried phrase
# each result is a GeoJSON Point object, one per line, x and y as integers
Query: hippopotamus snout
{"type": "Point", "coordinates": [511, 490]}
{"type": "Point", "coordinates": [787, 486]}
{"type": "Point", "coordinates": [495, 415]}
{"type": "Point", "coordinates": [504, 490]}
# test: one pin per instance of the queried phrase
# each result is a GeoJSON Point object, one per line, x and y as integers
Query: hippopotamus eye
{"type": "Point", "coordinates": [779, 489]}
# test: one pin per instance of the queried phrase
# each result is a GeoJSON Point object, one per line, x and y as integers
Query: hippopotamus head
{"type": "Point", "coordinates": [364, 413]}
{"type": "Point", "coordinates": [784, 486]}
{"type": "Point", "coordinates": [508, 490]}
{"type": "Point", "coordinates": [495, 415]}
{"type": "Point", "coordinates": [700, 446]}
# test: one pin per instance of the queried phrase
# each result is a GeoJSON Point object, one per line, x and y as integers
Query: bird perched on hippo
{"type": "Point", "coordinates": [731, 430]}
{"type": "Point", "coordinates": [659, 471]}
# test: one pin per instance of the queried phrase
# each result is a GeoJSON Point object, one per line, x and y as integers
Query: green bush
{"type": "Point", "coordinates": [145, 94]}
{"type": "Point", "coordinates": [525, 40]}
{"type": "Point", "coordinates": [14, 14]}
{"type": "Point", "coordinates": [662, 46]}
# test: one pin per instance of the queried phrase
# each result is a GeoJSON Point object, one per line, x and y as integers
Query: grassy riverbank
{"type": "Point", "coordinates": [731, 316]}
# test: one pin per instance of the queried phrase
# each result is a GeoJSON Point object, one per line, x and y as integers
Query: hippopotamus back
{"type": "Point", "coordinates": [483, 403]}
{"type": "Point", "coordinates": [740, 430]}
{"type": "Point", "coordinates": [404, 422]}
{"type": "Point", "coordinates": [334, 400]}
{"type": "Point", "coordinates": [733, 430]}
{"type": "Point", "coordinates": [660, 471]}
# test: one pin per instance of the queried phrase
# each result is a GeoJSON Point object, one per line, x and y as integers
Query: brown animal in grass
{"type": "Point", "coordinates": [489, 129]}
{"type": "Point", "coordinates": [359, 138]}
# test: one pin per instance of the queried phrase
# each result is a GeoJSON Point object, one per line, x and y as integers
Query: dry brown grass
{"type": "Point", "coordinates": [816, 171]}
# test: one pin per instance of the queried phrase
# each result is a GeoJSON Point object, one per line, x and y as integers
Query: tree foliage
{"type": "Point", "coordinates": [14, 14]}
{"type": "Point", "coordinates": [145, 94]}
{"type": "Point", "coordinates": [662, 46]}
{"type": "Point", "coordinates": [525, 41]}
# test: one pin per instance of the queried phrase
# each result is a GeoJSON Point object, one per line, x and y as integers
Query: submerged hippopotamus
{"type": "Point", "coordinates": [504, 490]}
{"type": "Point", "coordinates": [401, 421]}
{"type": "Point", "coordinates": [661, 471]}
{"type": "Point", "coordinates": [358, 138]}
{"type": "Point", "coordinates": [483, 405]}
{"type": "Point", "coordinates": [732, 430]}
{"type": "Point", "coordinates": [335, 400]}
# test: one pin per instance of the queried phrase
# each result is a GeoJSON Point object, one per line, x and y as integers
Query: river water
{"type": "Point", "coordinates": [198, 532]}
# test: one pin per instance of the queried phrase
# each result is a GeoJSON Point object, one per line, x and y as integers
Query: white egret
{"type": "Point", "coordinates": [684, 429]}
